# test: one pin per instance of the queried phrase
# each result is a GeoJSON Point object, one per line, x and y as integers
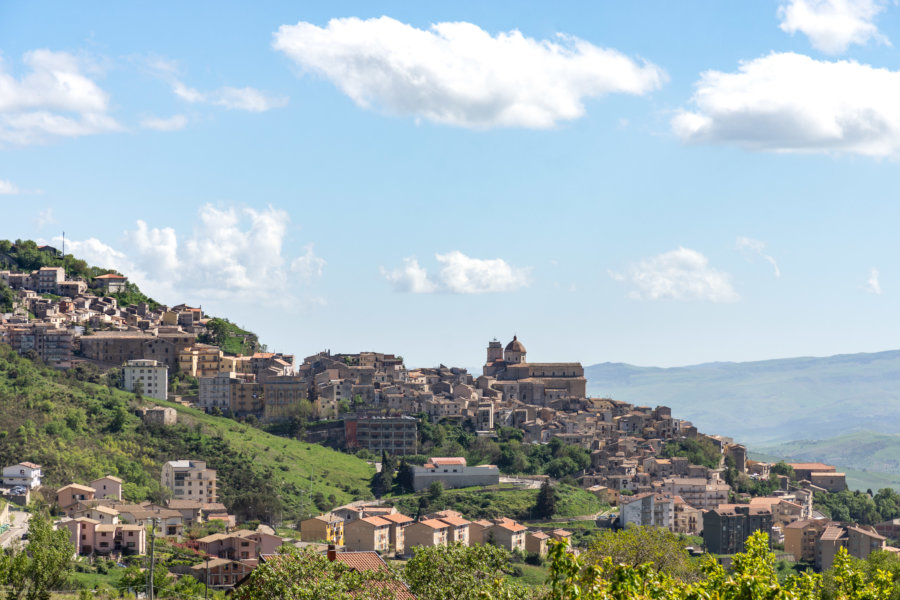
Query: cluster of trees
{"type": "Point", "coordinates": [699, 451]}
{"type": "Point", "coordinates": [865, 508]}
{"type": "Point", "coordinates": [556, 459]}
{"type": "Point", "coordinates": [45, 565]}
{"type": "Point", "coordinates": [229, 337]}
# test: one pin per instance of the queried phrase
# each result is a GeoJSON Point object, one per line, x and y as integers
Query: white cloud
{"type": "Point", "coordinates": [682, 274]}
{"type": "Point", "coordinates": [309, 266]}
{"type": "Point", "coordinates": [459, 274]}
{"type": "Point", "coordinates": [749, 247]}
{"type": "Point", "coordinates": [7, 187]}
{"type": "Point", "coordinates": [411, 277]}
{"type": "Point", "coordinates": [832, 25]}
{"type": "Point", "coordinates": [459, 74]}
{"type": "Point", "coordinates": [788, 102]}
{"type": "Point", "coordinates": [873, 286]}
{"type": "Point", "coordinates": [54, 99]}
{"type": "Point", "coordinates": [45, 217]}
{"type": "Point", "coordinates": [231, 253]}
{"type": "Point", "coordinates": [246, 98]}
{"type": "Point", "coordinates": [173, 123]}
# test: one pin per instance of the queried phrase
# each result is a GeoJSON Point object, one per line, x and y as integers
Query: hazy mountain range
{"type": "Point", "coordinates": [805, 408]}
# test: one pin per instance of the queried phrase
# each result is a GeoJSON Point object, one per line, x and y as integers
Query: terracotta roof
{"type": "Point", "coordinates": [111, 478]}
{"type": "Point", "coordinates": [370, 561]}
{"type": "Point", "coordinates": [434, 524]}
{"type": "Point", "coordinates": [448, 460]}
{"type": "Point", "coordinates": [76, 486]}
{"type": "Point", "coordinates": [110, 276]}
{"type": "Point", "coordinates": [561, 533]}
{"type": "Point", "coordinates": [177, 504]}
{"type": "Point", "coordinates": [30, 465]}
{"type": "Point", "coordinates": [103, 527]}
{"type": "Point", "coordinates": [540, 535]}
{"type": "Point", "coordinates": [398, 518]}
{"type": "Point", "coordinates": [511, 526]}
{"type": "Point", "coordinates": [376, 521]}
{"type": "Point", "coordinates": [813, 466]}
{"type": "Point", "coordinates": [455, 521]}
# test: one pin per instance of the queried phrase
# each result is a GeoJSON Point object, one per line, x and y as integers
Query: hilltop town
{"type": "Point", "coordinates": [647, 467]}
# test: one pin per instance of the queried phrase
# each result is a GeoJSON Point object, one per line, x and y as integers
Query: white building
{"type": "Point", "coordinates": [189, 480]}
{"type": "Point", "coordinates": [151, 376]}
{"type": "Point", "coordinates": [647, 510]}
{"type": "Point", "coordinates": [452, 472]}
{"type": "Point", "coordinates": [26, 474]}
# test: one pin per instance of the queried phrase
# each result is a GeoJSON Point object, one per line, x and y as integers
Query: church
{"type": "Point", "coordinates": [507, 371]}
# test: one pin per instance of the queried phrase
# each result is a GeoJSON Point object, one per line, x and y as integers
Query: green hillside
{"type": "Point", "coordinates": [767, 402]}
{"type": "Point", "coordinates": [871, 460]}
{"type": "Point", "coordinates": [78, 429]}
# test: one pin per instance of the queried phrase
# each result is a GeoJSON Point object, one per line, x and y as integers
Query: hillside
{"type": "Point", "coordinates": [80, 429]}
{"type": "Point", "coordinates": [767, 402]}
{"type": "Point", "coordinates": [871, 460]}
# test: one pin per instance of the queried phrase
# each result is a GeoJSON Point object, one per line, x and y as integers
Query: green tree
{"type": "Point", "coordinates": [404, 479]}
{"type": "Point", "coordinates": [782, 468]}
{"type": "Point", "coordinates": [639, 545]}
{"type": "Point", "coordinates": [545, 503]}
{"type": "Point", "coordinates": [435, 491]}
{"type": "Point", "coordinates": [44, 565]}
{"type": "Point", "coordinates": [307, 575]}
{"type": "Point", "coordinates": [458, 572]}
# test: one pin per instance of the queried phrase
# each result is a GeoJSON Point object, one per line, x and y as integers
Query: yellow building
{"type": "Point", "coordinates": [326, 528]}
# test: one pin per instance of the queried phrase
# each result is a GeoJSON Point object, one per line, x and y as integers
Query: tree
{"type": "Point", "coordinates": [458, 572]}
{"type": "Point", "coordinates": [435, 491]}
{"type": "Point", "coordinates": [545, 503]}
{"type": "Point", "coordinates": [404, 477]}
{"type": "Point", "coordinates": [638, 545]}
{"type": "Point", "coordinates": [44, 565]}
{"type": "Point", "coordinates": [782, 468]}
{"type": "Point", "coordinates": [307, 575]}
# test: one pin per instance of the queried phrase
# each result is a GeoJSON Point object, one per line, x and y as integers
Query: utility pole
{"type": "Point", "coordinates": [152, 545]}
{"type": "Point", "coordinates": [207, 577]}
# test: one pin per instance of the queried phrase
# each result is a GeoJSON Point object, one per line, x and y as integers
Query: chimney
{"type": "Point", "coordinates": [332, 553]}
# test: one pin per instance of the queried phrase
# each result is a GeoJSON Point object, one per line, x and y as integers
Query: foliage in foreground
{"type": "Point", "coordinates": [30, 573]}
{"type": "Point", "coordinates": [753, 576]}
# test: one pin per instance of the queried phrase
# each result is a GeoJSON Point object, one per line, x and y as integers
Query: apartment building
{"type": "Point", "coordinates": [151, 377]}
{"type": "Point", "coordinates": [395, 435]}
{"type": "Point", "coordinates": [453, 472]}
{"type": "Point", "coordinates": [190, 480]}
{"type": "Point", "coordinates": [726, 528]}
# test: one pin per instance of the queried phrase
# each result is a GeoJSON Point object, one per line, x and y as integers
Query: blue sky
{"type": "Point", "coordinates": [657, 183]}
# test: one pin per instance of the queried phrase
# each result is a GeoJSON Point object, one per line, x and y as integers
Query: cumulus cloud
{"type": "Point", "coordinates": [750, 247]}
{"type": "Point", "coordinates": [459, 274]}
{"type": "Point", "coordinates": [682, 274]}
{"type": "Point", "coordinates": [173, 123]}
{"type": "Point", "coordinates": [44, 217]}
{"type": "Point", "coordinates": [246, 98]}
{"type": "Point", "coordinates": [7, 187]}
{"type": "Point", "coordinates": [308, 266]}
{"type": "Point", "coordinates": [832, 25]}
{"type": "Point", "coordinates": [788, 102]}
{"type": "Point", "coordinates": [54, 99]}
{"type": "Point", "coordinates": [459, 74]}
{"type": "Point", "coordinates": [229, 253]}
{"type": "Point", "coordinates": [873, 285]}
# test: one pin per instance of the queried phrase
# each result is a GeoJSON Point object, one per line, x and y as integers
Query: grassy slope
{"type": "Point", "coordinates": [502, 501]}
{"type": "Point", "coordinates": [79, 431]}
{"type": "Point", "coordinates": [767, 402]}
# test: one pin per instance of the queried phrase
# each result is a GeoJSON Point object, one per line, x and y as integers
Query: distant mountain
{"type": "Point", "coordinates": [765, 403]}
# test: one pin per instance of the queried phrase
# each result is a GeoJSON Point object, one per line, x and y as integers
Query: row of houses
{"type": "Point", "coordinates": [366, 527]}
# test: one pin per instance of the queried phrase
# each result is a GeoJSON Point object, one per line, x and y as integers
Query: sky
{"type": "Point", "coordinates": [659, 183]}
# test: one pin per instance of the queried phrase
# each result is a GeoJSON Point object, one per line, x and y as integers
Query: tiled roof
{"type": "Point", "coordinates": [813, 466]}
{"type": "Point", "coordinates": [398, 518]}
{"type": "Point", "coordinates": [433, 523]}
{"type": "Point", "coordinates": [75, 486]}
{"type": "Point", "coordinates": [448, 460]}
{"type": "Point", "coordinates": [455, 521]}
{"type": "Point", "coordinates": [376, 521]}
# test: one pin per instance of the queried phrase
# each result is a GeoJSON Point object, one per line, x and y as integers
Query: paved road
{"type": "Point", "coordinates": [19, 521]}
{"type": "Point", "coordinates": [525, 484]}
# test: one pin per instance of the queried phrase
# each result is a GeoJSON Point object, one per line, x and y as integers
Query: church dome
{"type": "Point", "coordinates": [515, 346]}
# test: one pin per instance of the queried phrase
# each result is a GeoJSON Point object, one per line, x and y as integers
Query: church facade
{"type": "Point", "coordinates": [508, 372]}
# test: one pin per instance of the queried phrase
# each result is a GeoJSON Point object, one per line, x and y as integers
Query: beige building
{"type": "Point", "coordinates": [860, 541]}
{"type": "Point", "coordinates": [149, 376]}
{"type": "Point", "coordinates": [107, 488]}
{"type": "Point", "coordinates": [800, 538]}
{"type": "Point", "coordinates": [190, 480]}
{"type": "Point", "coordinates": [430, 532]}
{"type": "Point", "coordinates": [697, 491]}
{"type": "Point", "coordinates": [453, 472]}
{"type": "Point", "coordinates": [368, 533]}
{"type": "Point", "coordinates": [73, 493]}
{"type": "Point", "coordinates": [399, 522]}
{"type": "Point", "coordinates": [160, 416]}
{"type": "Point", "coordinates": [536, 542]}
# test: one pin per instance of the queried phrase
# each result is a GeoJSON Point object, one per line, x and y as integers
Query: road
{"type": "Point", "coordinates": [525, 484]}
{"type": "Point", "coordinates": [19, 520]}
